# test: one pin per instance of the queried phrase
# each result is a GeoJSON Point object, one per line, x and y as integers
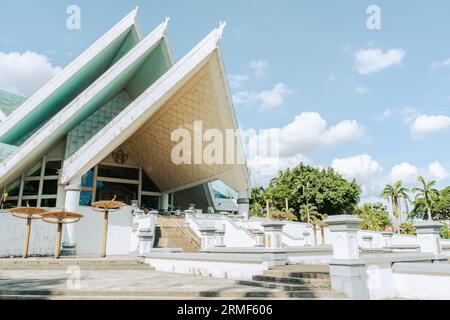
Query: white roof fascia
{"type": "Point", "coordinates": [140, 111]}
{"type": "Point", "coordinates": [43, 138]}
{"type": "Point", "coordinates": [67, 73]}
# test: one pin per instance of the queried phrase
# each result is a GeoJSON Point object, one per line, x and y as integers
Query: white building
{"type": "Point", "coordinates": [102, 128]}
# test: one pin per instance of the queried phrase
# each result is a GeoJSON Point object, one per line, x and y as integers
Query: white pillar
{"type": "Point", "coordinates": [259, 235]}
{"type": "Point", "coordinates": [344, 236]}
{"type": "Point", "coordinates": [243, 204]}
{"type": "Point", "coordinates": [145, 236]}
{"type": "Point", "coordinates": [165, 202]}
{"type": "Point", "coordinates": [387, 237]}
{"type": "Point", "coordinates": [208, 236]}
{"type": "Point", "coordinates": [71, 204]}
{"type": "Point", "coordinates": [220, 238]}
{"type": "Point", "coordinates": [273, 232]}
{"type": "Point", "coordinates": [367, 239]}
{"type": "Point", "coordinates": [306, 237]}
{"type": "Point", "coordinates": [429, 236]}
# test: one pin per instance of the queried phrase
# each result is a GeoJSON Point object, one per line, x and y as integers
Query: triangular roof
{"type": "Point", "coordinates": [72, 80]}
{"type": "Point", "coordinates": [144, 127]}
{"type": "Point", "coordinates": [109, 85]}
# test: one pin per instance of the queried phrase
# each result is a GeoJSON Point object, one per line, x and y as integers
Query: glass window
{"type": "Point", "coordinates": [10, 204]}
{"type": "Point", "coordinates": [122, 191]}
{"type": "Point", "coordinates": [48, 203]}
{"type": "Point", "coordinates": [50, 187]}
{"type": "Point", "coordinates": [35, 172]}
{"type": "Point", "coordinates": [150, 202]}
{"type": "Point", "coordinates": [14, 189]}
{"type": "Point", "coordinates": [31, 203]}
{"type": "Point", "coordinates": [52, 168]}
{"type": "Point", "coordinates": [147, 184]}
{"type": "Point", "coordinates": [85, 198]}
{"type": "Point", "coordinates": [118, 172]}
{"type": "Point", "coordinates": [222, 191]}
{"type": "Point", "coordinates": [30, 188]}
{"type": "Point", "coordinates": [88, 179]}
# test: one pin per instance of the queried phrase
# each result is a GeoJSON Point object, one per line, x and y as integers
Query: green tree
{"type": "Point", "coordinates": [394, 193]}
{"type": "Point", "coordinates": [440, 207]}
{"type": "Point", "coordinates": [308, 212]}
{"type": "Point", "coordinates": [427, 195]}
{"type": "Point", "coordinates": [374, 215]}
{"type": "Point", "coordinates": [323, 188]}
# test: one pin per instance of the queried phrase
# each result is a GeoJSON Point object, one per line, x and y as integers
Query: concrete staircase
{"type": "Point", "coordinates": [171, 233]}
{"type": "Point", "coordinates": [297, 281]}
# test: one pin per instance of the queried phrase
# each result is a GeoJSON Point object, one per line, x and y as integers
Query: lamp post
{"type": "Point", "coordinates": [29, 214]}
{"type": "Point", "coordinates": [60, 218]}
{"type": "Point", "coordinates": [106, 207]}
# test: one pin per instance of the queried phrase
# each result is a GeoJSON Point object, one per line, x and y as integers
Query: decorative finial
{"type": "Point", "coordinates": [222, 25]}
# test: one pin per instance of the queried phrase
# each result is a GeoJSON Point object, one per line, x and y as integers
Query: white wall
{"type": "Point", "coordinates": [89, 232]}
{"type": "Point", "coordinates": [12, 235]}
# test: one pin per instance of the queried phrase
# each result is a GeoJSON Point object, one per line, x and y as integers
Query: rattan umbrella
{"type": "Point", "coordinates": [29, 214]}
{"type": "Point", "coordinates": [60, 218]}
{"type": "Point", "coordinates": [106, 207]}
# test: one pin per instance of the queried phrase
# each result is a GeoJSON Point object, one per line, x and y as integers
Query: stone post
{"type": "Point", "coordinates": [145, 241]}
{"type": "Point", "coordinates": [259, 235]}
{"type": "Point", "coordinates": [243, 204]}
{"type": "Point", "coordinates": [347, 271]}
{"type": "Point", "coordinates": [272, 233]}
{"type": "Point", "coordinates": [165, 202]}
{"type": "Point", "coordinates": [429, 236]}
{"type": "Point", "coordinates": [208, 236]}
{"type": "Point", "coordinates": [306, 236]}
{"type": "Point", "coordinates": [367, 240]}
{"type": "Point", "coordinates": [220, 239]}
{"type": "Point", "coordinates": [71, 204]}
{"type": "Point", "coordinates": [387, 237]}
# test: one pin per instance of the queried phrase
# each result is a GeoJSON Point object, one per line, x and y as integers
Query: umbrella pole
{"type": "Point", "coordinates": [105, 233]}
{"type": "Point", "coordinates": [27, 238]}
{"type": "Point", "coordinates": [58, 241]}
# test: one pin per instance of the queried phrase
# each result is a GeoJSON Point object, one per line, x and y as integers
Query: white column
{"type": "Point", "coordinates": [243, 204]}
{"type": "Point", "coordinates": [344, 236]}
{"type": "Point", "coordinates": [259, 235]}
{"type": "Point", "coordinates": [273, 232]}
{"type": "Point", "coordinates": [387, 237]}
{"type": "Point", "coordinates": [367, 239]}
{"type": "Point", "coordinates": [145, 246]}
{"type": "Point", "coordinates": [71, 204]}
{"type": "Point", "coordinates": [306, 237]}
{"type": "Point", "coordinates": [165, 202]}
{"type": "Point", "coordinates": [208, 237]}
{"type": "Point", "coordinates": [428, 234]}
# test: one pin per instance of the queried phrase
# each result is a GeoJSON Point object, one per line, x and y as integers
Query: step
{"type": "Point", "coordinates": [63, 263]}
{"type": "Point", "coordinates": [314, 283]}
{"type": "Point", "coordinates": [101, 294]}
{"type": "Point", "coordinates": [278, 286]}
{"type": "Point", "coordinates": [302, 275]}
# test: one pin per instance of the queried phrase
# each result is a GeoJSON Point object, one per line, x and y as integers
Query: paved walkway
{"type": "Point", "coordinates": [119, 284]}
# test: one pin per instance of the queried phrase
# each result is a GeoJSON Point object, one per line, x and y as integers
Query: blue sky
{"type": "Point", "coordinates": [384, 94]}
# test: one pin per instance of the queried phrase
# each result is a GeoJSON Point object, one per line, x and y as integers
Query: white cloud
{"type": "Point", "coordinates": [405, 114]}
{"type": "Point", "coordinates": [259, 68]}
{"type": "Point", "coordinates": [440, 64]}
{"type": "Point", "coordinates": [361, 167]}
{"type": "Point", "coordinates": [361, 90]}
{"type": "Point", "coordinates": [299, 139]}
{"type": "Point", "coordinates": [437, 172]}
{"type": "Point", "coordinates": [25, 73]}
{"type": "Point", "coordinates": [368, 61]}
{"type": "Point", "coordinates": [266, 99]}
{"type": "Point", "coordinates": [428, 124]}
{"type": "Point", "coordinates": [404, 172]}
{"type": "Point", "coordinates": [365, 170]}
{"type": "Point", "coordinates": [237, 80]}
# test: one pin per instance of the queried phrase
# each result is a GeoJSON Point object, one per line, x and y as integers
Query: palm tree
{"type": "Point", "coordinates": [394, 193]}
{"type": "Point", "coordinates": [427, 194]}
{"type": "Point", "coordinates": [308, 212]}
